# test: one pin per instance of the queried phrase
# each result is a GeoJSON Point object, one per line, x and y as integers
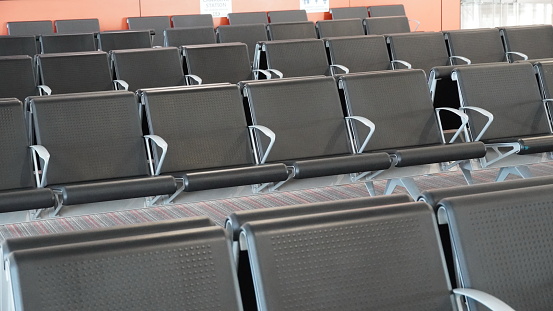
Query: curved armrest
{"type": "Point", "coordinates": [485, 113]}
{"type": "Point", "coordinates": [44, 156]}
{"type": "Point", "coordinates": [524, 56]}
{"type": "Point", "coordinates": [44, 89]}
{"type": "Point", "coordinates": [466, 60]}
{"type": "Point", "coordinates": [464, 120]}
{"type": "Point", "coordinates": [415, 21]}
{"type": "Point", "coordinates": [492, 302]}
{"type": "Point", "coordinates": [120, 85]}
{"type": "Point", "coordinates": [404, 63]}
{"type": "Point", "coordinates": [276, 72]}
{"type": "Point", "coordinates": [266, 73]}
{"type": "Point", "coordinates": [272, 136]}
{"type": "Point", "coordinates": [343, 68]}
{"type": "Point", "coordinates": [368, 123]}
{"type": "Point", "coordinates": [161, 143]}
{"type": "Point", "coordinates": [193, 77]}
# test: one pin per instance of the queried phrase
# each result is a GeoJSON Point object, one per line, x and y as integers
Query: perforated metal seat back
{"type": "Point", "coordinates": [18, 77]}
{"type": "Point", "coordinates": [399, 104]}
{"type": "Point", "coordinates": [189, 36]}
{"type": "Point", "coordinates": [222, 62]}
{"type": "Point", "coordinates": [88, 25]}
{"type": "Point", "coordinates": [248, 34]}
{"type": "Point", "coordinates": [204, 126]}
{"type": "Point", "coordinates": [15, 167]}
{"type": "Point", "coordinates": [296, 58]}
{"type": "Point", "coordinates": [155, 23]}
{"type": "Point", "coordinates": [386, 10]}
{"type": "Point", "coordinates": [349, 12]}
{"type": "Point", "coordinates": [377, 258]}
{"type": "Point", "coordinates": [545, 75]}
{"type": "Point", "coordinates": [120, 40]}
{"type": "Point", "coordinates": [340, 28]}
{"type": "Point", "coordinates": [386, 25]}
{"type": "Point", "coordinates": [146, 68]}
{"type": "Point", "coordinates": [534, 41]}
{"type": "Point", "coordinates": [423, 50]}
{"type": "Point", "coordinates": [18, 45]}
{"type": "Point", "coordinates": [291, 30]}
{"type": "Point", "coordinates": [192, 20]}
{"type": "Point", "coordinates": [75, 72]}
{"type": "Point", "coordinates": [67, 43]}
{"type": "Point", "coordinates": [359, 53]}
{"type": "Point", "coordinates": [32, 28]}
{"type": "Point", "coordinates": [304, 113]}
{"type": "Point", "coordinates": [181, 270]}
{"type": "Point", "coordinates": [510, 92]}
{"type": "Point", "coordinates": [90, 136]}
{"type": "Point", "coordinates": [478, 45]}
{"type": "Point", "coordinates": [248, 18]}
{"type": "Point", "coordinates": [287, 16]}
{"type": "Point", "coordinates": [502, 241]}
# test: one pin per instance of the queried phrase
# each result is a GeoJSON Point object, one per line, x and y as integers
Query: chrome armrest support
{"type": "Point", "coordinates": [524, 56]}
{"type": "Point", "coordinates": [120, 85]}
{"type": "Point", "coordinates": [190, 78]}
{"type": "Point", "coordinates": [161, 143]}
{"type": "Point", "coordinates": [44, 90]}
{"type": "Point", "coordinates": [368, 123]}
{"type": "Point", "coordinates": [492, 302]}
{"type": "Point", "coordinates": [267, 132]}
{"type": "Point", "coordinates": [416, 22]}
{"type": "Point", "coordinates": [466, 60]}
{"type": "Point", "coordinates": [485, 113]}
{"type": "Point", "coordinates": [44, 157]}
{"type": "Point", "coordinates": [464, 120]}
{"type": "Point", "coordinates": [397, 61]}
{"type": "Point", "coordinates": [343, 68]}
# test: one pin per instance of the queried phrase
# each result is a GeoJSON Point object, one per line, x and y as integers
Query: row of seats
{"type": "Point", "coordinates": [384, 253]}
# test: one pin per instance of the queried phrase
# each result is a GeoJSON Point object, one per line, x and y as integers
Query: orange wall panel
{"type": "Point", "coordinates": [451, 14]}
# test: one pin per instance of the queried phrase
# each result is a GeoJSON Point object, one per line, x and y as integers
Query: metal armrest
{"type": "Point", "coordinates": [343, 68]}
{"type": "Point", "coordinates": [485, 113]}
{"type": "Point", "coordinates": [276, 72]}
{"type": "Point", "coordinates": [404, 63]}
{"type": "Point", "coordinates": [466, 60]}
{"type": "Point", "coordinates": [120, 85]}
{"type": "Point", "coordinates": [524, 56]}
{"type": "Point", "coordinates": [464, 120]}
{"type": "Point", "coordinates": [193, 77]}
{"type": "Point", "coordinates": [161, 143]}
{"type": "Point", "coordinates": [266, 73]}
{"type": "Point", "coordinates": [368, 123]}
{"type": "Point", "coordinates": [44, 89]}
{"type": "Point", "coordinates": [492, 302]}
{"type": "Point", "coordinates": [44, 157]}
{"type": "Point", "coordinates": [272, 136]}
{"type": "Point", "coordinates": [417, 22]}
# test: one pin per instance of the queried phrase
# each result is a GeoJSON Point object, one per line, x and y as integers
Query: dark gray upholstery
{"type": "Point", "coordinates": [386, 25]}
{"type": "Point", "coordinates": [479, 45]}
{"type": "Point", "coordinates": [192, 20]}
{"type": "Point", "coordinates": [31, 28]}
{"type": "Point", "coordinates": [359, 53]}
{"type": "Point", "coordinates": [155, 23]}
{"type": "Point", "coordinates": [221, 62]}
{"type": "Point", "coordinates": [423, 50]}
{"type": "Point", "coordinates": [349, 12]}
{"type": "Point", "coordinates": [103, 130]}
{"type": "Point", "coordinates": [377, 258]}
{"type": "Point", "coordinates": [17, 187]}
{"type": "Point", "coordinates": [502, 243]}
{"type": "Point", "coordinates": [144, 68]}
{"type": "Point", "coordinates": [89, 25]}
{"type": "Point", "coordinates": [386, 10]}
{"type": "Point", "coordinates": [75, 72]}
{"type": "Point", "coordinates": [287, 16]}
{"type": "Point", "coordinates": [208, 139]}
{"type": "Point", "coordinates": [144, 272]}
{"type": "Point", "coordinates": [399, 104]}
{"type": "Point", "coordinates": [544, 70]}
{"type": "Point", "coordinates": [67, 43]}
{"type": "Point", "coordinates": [18, 77]}
{"type": "Point", "coordinates": [247, 18]}
{"type": "Point", "coordinates": [535, 41]}
{"type": "Point", "coordinates": [307, 118]}
{"type": "Point", "coordinates": [189, 36]}
{"type": "Point", "coordinates": [294, 58]}
{"type": "Point", "coordinates": [127, 39]}
{"type": "Point", "coordinates": [249, 34]}
{"type": "Point", "coordinates": [291, 30]}
{"type": "Point", "coordinates": [340, 28]}
{"type": "Point", "coordinates": [18, 45]}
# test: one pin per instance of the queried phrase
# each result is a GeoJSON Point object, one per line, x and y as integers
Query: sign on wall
{"type": "Point", "coordinates": [217, 8]}
{"type": "Point", "coordinates": [312, 6]}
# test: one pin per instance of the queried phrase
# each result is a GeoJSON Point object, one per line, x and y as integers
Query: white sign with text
{"type": "Point", "coordinates": [217, 8]}
{"type": "Point", "coordinates": [312, 6]}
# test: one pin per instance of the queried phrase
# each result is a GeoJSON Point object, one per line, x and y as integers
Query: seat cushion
{"type": "Point", "coordinates": [345, 164]}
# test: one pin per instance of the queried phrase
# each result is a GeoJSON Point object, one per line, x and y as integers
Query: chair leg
{"type": "Point", "coordinates": [370, 187]}
{"type": "Point", "coordinates": [520, 170]}
{"type": "Point", "coordinates": [406, 182]}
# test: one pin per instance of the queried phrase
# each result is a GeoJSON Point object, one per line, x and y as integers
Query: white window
{"type": "Point", "coordinates": [493, 13]}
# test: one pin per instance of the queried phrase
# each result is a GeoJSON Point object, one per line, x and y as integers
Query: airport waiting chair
{"type": "Point", "coordinates": [291, 30]}
{"type": "Point", "coordinates": [31, 28]}
{"type": "Point", "coordinates": [248, 18]}
{"type": "Point", "coordinates": [122, 40]}
{"type": "Point", "coordinates": [386, 25]}
{"type": "Point", "coordinates": [349, 12]}
{"type": "Point", "coordinates": [478, 45]}
{"type": "Point", "coordinates": [339, 28]}
{"type": "Point", "coordinates": [390, 10]}
{"type": "Point", "coordinates": [288, 16]}
{"type": "Point", "coordinates": [62, 73]}
{"type": "Point", "coordinates": [353, 260]}
{"type": "Point", "coordinates": [146, 68]}
{"type": "Point", "coordinates": [510, 116]}
{"type": "Point", "coordinates": [192, 20]}
{"type": "Point", "coordinates": [18, 77]}
{"type": "Point", "coordinates": [88, 25]}
{"type": "Point", "coordinates": [63, 43]}
{"type": "Point", "coordinates": [544, 72]}
{"type": "Point", "coordinates": [209, 148]}
{"type": "Point", "coordinates": [188, 36]}
{"type": "Point", "coordinates": [18, 45]}
{"type": "Point", "coordinates": [501, 243]}
{"type": "Point", "coordinates": [528, 42]}
{"type": "Point", "coordinates": [249, 34]}
{"type": "Point", "coordinates": [97, 151]}
{"type": "Point", "coordinates": [155, 23]}
{"type": "Point", "coordinates": [311, 135]}
{"type": "Point", "coordinates": [359, 53]}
